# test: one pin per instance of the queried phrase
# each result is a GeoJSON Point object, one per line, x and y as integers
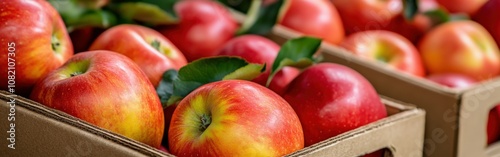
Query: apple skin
{"type": "Point", "coordinates": [362, 15]}
{"type": "Point", "coordinates": [246, 119]}
{"type": "Point", "coordinates": [331, 99]}
{"type": "Point", "coordinates": [387, 47]}
{"type": "Point", "coordinates": [462, 47]}
{"type": "Point", "coordinates": [260, 50]}
{"type": "Point", "coordinates": [462, 81]}
{"type": "Point", "coordinates": [110, 91]}
{"type": "Point", "coordinates": [318, 18]}
{"type": "Point", "coordinates": [462, 6]}
{"type": "Point", "coordinates": [486, 16]}
{"type": "Point", "coordinates": [204, 28]}
{"type": "Point", "coordinates": [31, 37]}
{"type": "Point", "coordinates": [135, 42]}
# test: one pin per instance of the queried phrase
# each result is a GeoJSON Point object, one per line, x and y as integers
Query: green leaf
{"type": "Point", "coordinates": [261, 18]}
{"type": "Point", "coordinates": [175, 86]}
{"type": "Point", "coordinates": [440, 15]}
{"type": "Point", "coordinates": [239, 5]}
{"type": "Point", "coordinates": [410, 8]}
{"type": "Point", "coordinates": [296, 52]}
{"type": "Point", "coordinates": [165, 88]}
{"type": "Point", "coordinates": [76, 15]}
{"type": "Point", "coordinates": [147, 11]}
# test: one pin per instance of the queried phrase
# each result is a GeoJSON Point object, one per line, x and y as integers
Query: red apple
{"type": "Point", "coordinates": [462, 47]}
{"type": "Point", "coordinates": [204, 28]}
{"type": "Point", "coordinates": [318, 18]}
{"type": "Point", "coordinates": [487, 17]}
{"type": "Point", "coordinates": [493, 126]}
{"type": "Point", "coordinates": [362, 15]}
{"type": "Point", "coordinates": [234, 118]}
{"type": "Point", "coordinates": [146, 47]}
{"type": "Point", "coordinates": [108, 90]}
{"type": "Point", "coordinates": [163, 149]}
{"type": "Point", "coordinates": [331, 99]}
{"type": "Point", "coordinates": [452, 80]}
{"type": "Point", "coordinates": [260, 50]}
{"type": "Point", "coordinates": [34, 42]}
{"type": "Point", "coordinates": [462, 6]}
{"type": "Point", "coordinates": [386, 47]}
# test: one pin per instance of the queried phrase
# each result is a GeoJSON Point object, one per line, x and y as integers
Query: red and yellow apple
{"type": "Point", "coordinates": [204, 28]}
{"type": "Point", "coordinates": [318, 18]}
{"type": "Point", "coordinates": [108, 90]}
{"type": "Point", "coordinates": [462, 47]}
{"type": "Point", "coordinates": [154, 53]}
{"type": "Point", "coordinates": [234, 118]}
{"type": "Point", "coordinates": [331, 99]}
{"type": "Point", "coordinates": [34, 42]}
{"type": "Point", "coordinates": [386, 47]}
{"type": "Point", "coordinates": [260, 50]}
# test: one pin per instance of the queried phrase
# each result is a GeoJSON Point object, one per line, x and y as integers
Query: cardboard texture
{"type": "Point", "coordinates": [456, 119]}
{"type": "Point", "coordinates": [41, 131]}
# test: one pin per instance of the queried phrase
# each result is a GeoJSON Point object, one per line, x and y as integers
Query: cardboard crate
{"type": "Point", "coordinates": [456, 119]}
{"type": "Point", "coordinates": [41, 131]}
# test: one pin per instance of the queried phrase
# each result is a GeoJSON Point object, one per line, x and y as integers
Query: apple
{"type": "Point", "coordinates": [462, 47]}
{"type": "Point", "coordinates": [452, 80]}
{"type": "Point", "coordinates": [486, 17]}
{"type": "Point", "coordinates": [459, 81]}
{"type": "Point", "coordinates": [362, 15]}
{"type": "Point", "coordinates": [149, 49]}
{"type": "Point", "coordinates": [163, 149]}
{"type": "Point", "coordinates": [34, 42]}
{"type": "Point", "coordinates": [331, 99]}
{"type": "Point", "coordinates": [462, 6]}
{"type": "Point", "coordinates": [234, 118]}
{"type": "Point", "coordinates": [386, 47]}
{"type": "Point", "coordinates": [108, 90]}
{"type": "Point", "coordinates": [204, 28]}
{"type": "Point", "coordinates": [260, 50]}
{"type": "Point", "coordinates": [318, 18]}
{"type": "Point", "coordinates": [167, 114]}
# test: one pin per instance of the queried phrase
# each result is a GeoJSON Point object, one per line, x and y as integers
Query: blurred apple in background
{"type": "Point", "coordinates": [317, 18]}
{"type": "Point", "coordinates": [487, 16]}
{"type": "Point", "coordinates": [234, 118]}
{"type": "Point", "coordinates": [257, 49]}
{"type": "Point", "coordinates": [108, 90]}
{"type": "Point", "coordinates": [331, 99]}
{"type": "Point", "coordinates": [468, 7]}
{"type": "Point", "coordinates": [462, 47]}
{"type": "Point", "coordinates": [146, 47]}
{"type": "Point", "coordinates": [386, 47]}
{"type": "Point", "coordinates": [36, 35]}
{"type": "Point", "coordinates": [204, 28]}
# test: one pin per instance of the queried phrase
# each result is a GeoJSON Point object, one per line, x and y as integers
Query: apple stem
{"type": "Point", "coordinates": [75, 74]}
{"type": "Point", "coordinates": [205, 122]}
{"type": "Point", "coordinates": [55, 43]}
{"type": "Point", "coordinates": [156, 45]}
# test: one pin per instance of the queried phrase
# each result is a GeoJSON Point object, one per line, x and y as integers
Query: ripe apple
{"type": "Point", "coordinates": [234, 118]}
{"type": "Point", "coordinates": [462, 6]}
{"type": "Point", "coordinates": [108, 90]}
{"type": "Point", "coordinates": [462, 47]}
{"type": "Point", "coordinates": [386, 47]}
{"type": "Point", "coordinates": [486, 16]}
{"type": "Point", "coordinates": [154, 53]}
{"type": "Point", "coordinates": [331, 99]}
{"type": "Point", "coordinates": [34, 42]}
{"type": "Point", "coordinates": [362, 15]}
{"type": "Point", "coordinates": [204, 28]}
{"type": "Point", "coordinates": [257, 49]}
{"type": "Point", "coordinates": [318, 18]}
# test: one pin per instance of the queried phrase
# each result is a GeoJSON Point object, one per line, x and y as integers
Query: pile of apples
{"type": "Point", "coordinates": [111, 78]}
